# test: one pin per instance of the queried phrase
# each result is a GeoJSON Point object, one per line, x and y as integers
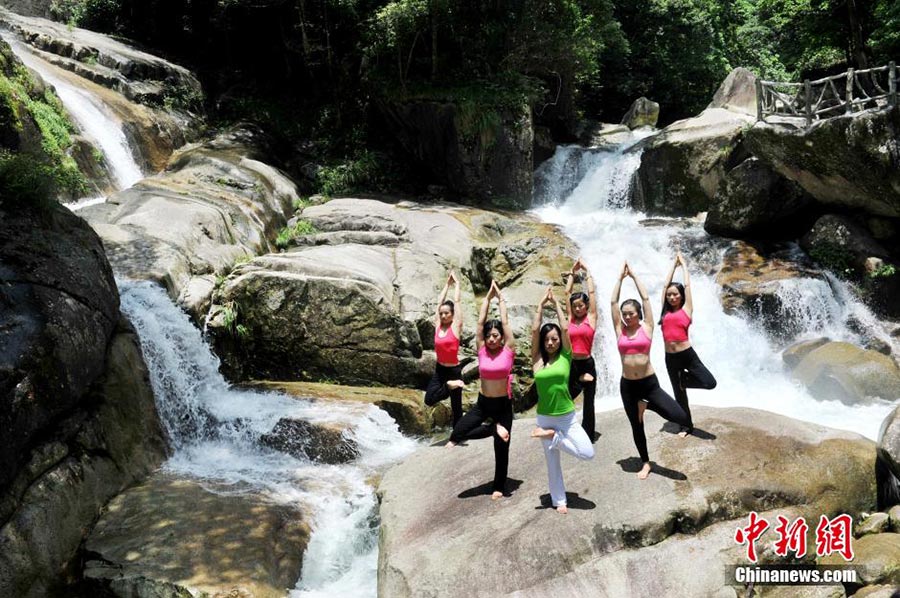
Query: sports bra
{"type": "Point", "coordinates": [582, 337]}
{"type": "Point", "coordinates": [675, 326]}
{"type": "Point", "coordinates": [634, 346]}
{"type": "Point", "coordinates": [446, 347]}
{"type": "Point", "coordinates": [495, 367]}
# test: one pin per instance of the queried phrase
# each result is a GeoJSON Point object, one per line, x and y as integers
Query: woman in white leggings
{"type": "Point", "coordinates": [558, 428]}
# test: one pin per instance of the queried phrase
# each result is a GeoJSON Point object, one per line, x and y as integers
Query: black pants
{"type": "Point", "coordinates": [437, 389]}
{"type": "Point", "coordinates": [687, 371]}
{"type": "Point", "coordinates": [472, 426]}
{"type": "Point", "coordinates": [580, 367]}
{"type": "Point", "coordinates": [648, 390]}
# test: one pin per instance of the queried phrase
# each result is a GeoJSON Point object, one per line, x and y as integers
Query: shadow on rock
{"type": "Point", "coordinates": [488, 488]}
{"type": "Point", "coordinates": [573, 501]}
{"type": "Point", "coordinates": [634, 464]}
{"type": "Point", "coordinates": [673, 428]}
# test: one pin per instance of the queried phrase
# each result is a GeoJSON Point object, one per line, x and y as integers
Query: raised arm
{"type": "Point", "coordinates": [592, 295]}
{"type": "Point", "coordinates": [614, 302]}
{"type": "Point", "coordinates": [536, 332]}
{"type": "Point", "coordinates": [670, 277]}
{"type": "Point", "coordinates": [688, 298]}
{"type": "Point", "coordinates": [457, 307]}
{"type": "Point", "coordinates": [645, 300]}
{"type": "Point", "coordinates": [441, 298]}
{"type": "Point", "coordinates": [482, 318]}
{"type": "Point", "coordinates": [563, 321]}
{"type": "Point", "coordinates": [570, 282]}
{"type": "Point", "coordinates": [508, 338]}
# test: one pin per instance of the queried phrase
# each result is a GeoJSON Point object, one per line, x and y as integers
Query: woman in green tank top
{"type": "Point", "coordinates": [557, 424]}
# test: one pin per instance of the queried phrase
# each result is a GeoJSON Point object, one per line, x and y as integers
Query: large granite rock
{"type": "Point", "coordinates": [839, 243]}
{"type": "Point", "coordinates": [682, 166]}
{"type": "Point", "coordinates": [484, 156]}
{"type": "Point", "coordinates": [737, 92]}
{"type": "Point", "coordinates": [361, 310]}
{"type": "Point", "coordinates": [642, 113]}
{"type": "Point", "coordinates": [215, 204]}
{"type": "Point", "coordinates": [847, 373]}
{"type": "Point", "coordinates": [847, 161]}
{"type": "Point", "coordinates": [622, 536]}
{"type": "Point", "coordinates": [754, 202]}
{"type": "Point", "coordinates": [876, 559]}
{"type": "Point", "coordinates": [227, 545]}
{"type": "Point", "coordinates": [887, 466]}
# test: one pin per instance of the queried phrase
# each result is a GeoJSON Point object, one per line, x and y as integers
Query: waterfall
{"type": "Point", "coordinates": [215, 430]}
{"type": "Point", "coordinates": [745, 360]}
{"type": "Point", "coordinates": [93, 117]}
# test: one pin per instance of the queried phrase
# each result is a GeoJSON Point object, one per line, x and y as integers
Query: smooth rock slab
{"type": "Point", "coordinates": [441, 534]}
{"type": "Point", "coordinates": [171, 537]}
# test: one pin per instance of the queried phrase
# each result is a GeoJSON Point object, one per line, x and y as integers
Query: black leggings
{"type": "Point", "coordinates": [579, 367]}
{"type": "Point", "coordinates": [472, 426]}
{"type": "Point", "coordinates": [437, 389]}
{"type": "Point", "coordinates": [687, 371]}
{"type": "Point", "coordinates": [648, 390]}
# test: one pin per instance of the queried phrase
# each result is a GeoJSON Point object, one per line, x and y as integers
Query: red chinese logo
{"type": "Point", "coordinates": [835, 535]}
{"type": "Point", "coordinates": [791, 537]}
{"type": "Point", "coordinates": [750, 533]}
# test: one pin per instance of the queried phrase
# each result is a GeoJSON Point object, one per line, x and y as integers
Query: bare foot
{"type": "Point", "coordinates": [450, 444]}
{"type": "Point", "coordinates": [497, 495]}
{"type": "Point", "coordinates": [562, 510]}
{"type": "Point", "coordinates": [644, 472]}
{"type": "Point", "coordinates": [503, 433]}
{"type": "Point", "coordinates": [542, 433]}
{"type": "Point", "coordinates": [455, 384]}
{"type": "Point", "coordinates": [586, 378]}
{"type": "Point", "coordinates": [683, 433]}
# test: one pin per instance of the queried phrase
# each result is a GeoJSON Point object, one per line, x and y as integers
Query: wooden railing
{"type": "Point", "coordinates": [832, 96]}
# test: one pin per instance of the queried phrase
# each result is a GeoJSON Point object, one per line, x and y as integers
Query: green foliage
{"type": "Point", "coordinates": [834, 257]}
{"type": "Point", "coordinates": [102, 15]}
{"type": "Point", "coordinates": [289, 233]}
{"type": "Point", "coordinates": [179, 96]}
{"type": "Point", "coordinates": [883, 271]}
{"type": "Point", "coordinates": [349, 175]}
{"type": "Point", "coordinates": [26, 181]}
{"type": "Point", "coordinates": [300, 202]}
{"type": "Point", "coordinates": [231, 313]}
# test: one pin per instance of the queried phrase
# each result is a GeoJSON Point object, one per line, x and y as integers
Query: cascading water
{"type": "Point", "coordinates": [93, 118]}
{"type": "Point", "coordinates": [215, 431]}
{"type": "Point", "coordinates": [745, 361]}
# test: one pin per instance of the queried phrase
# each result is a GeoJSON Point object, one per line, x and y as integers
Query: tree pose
{"type": "Point", "coordinates": [551, 354]}
{"type": "Point", "coordinates": [447, 378]}
{"type": "Point", "coordinates": [582, 325]}
{"type": "Point", "coordinates": [639, 385]}
{"type": "Point", "coordinates": [496, 352]}
{"type": "Point", "coordinates": [682, 363]}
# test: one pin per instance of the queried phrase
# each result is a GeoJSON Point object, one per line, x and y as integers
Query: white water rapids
{"type": "Point", "coordinates": [747, 364]}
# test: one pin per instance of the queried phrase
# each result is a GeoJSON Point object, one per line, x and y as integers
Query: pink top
{"type": "Point", "coordinates": [582, 337]}
{"type": "Point", "coordinates": [634, 346]}
{"type": "Point", "coordinates": [446, 347]}
{"type": "Point", "coordinates": [675, 326]}
{"type": "Point", "coordinates": [495, 367]}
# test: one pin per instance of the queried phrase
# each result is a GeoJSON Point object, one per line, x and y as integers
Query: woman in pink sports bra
{"type": "Point", "coordinates": [582, 324]}
{"type": "Point", "coordinates": [496, 353]}
{"type": "Point", "coordinates": [447, 379]}
{"type": "Point", "coordinates": [682, 363]}
{"type": "Point", "coordinates": [639, 385]}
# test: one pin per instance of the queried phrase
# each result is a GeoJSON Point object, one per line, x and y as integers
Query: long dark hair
{"type": "Point", "coordinates": [490, 325]}
{"type": "Point", "coordinates": [580, 295]}
{"type": "Point", "coordinates": [545, 330]}
{"type": "Point", "coordinates": [637, 306]}
{"type": "Point", "coordinates": [449, 304]}
{"type": "Point", "coordinates": [666, 308]}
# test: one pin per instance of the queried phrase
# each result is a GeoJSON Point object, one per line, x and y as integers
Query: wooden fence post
{"type": "Point", "coordinates": [759, 100]}
{"type": "Point", "coordinates": [849, 98]}
{"type": "Point", "coordinates": [892, 83]}
{"type": "Point", "coordinates": [807, 89]}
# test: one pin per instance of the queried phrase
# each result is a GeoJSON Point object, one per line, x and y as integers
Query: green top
{"type": "Point", "coordinates": [553, 386]}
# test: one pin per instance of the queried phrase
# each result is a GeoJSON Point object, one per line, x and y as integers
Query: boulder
{"type": "Point", "coordinates": [847, 373]}
{"type": "Point", "coordinates": [688, 510]}
{"type": "Point", "coordinates": [359, 313]}
{"type": "Point", "coordinates": [875, 523]}
{"type": "Point", "coordinates": [876, 559]}
{"type": "Point", "coordinates": [836, 591]}
{"type": "Point", "coordinates": [309, 441]}
{"type": "Point", "coordinates": [878, 591]}
{"type": "Point", "coordinates": [842, 245]}
{"type": "Point", "coordinates": [753, 278]}
{"type": "Point", "coordinates": [483, 154]}
{"type": "Point", "coordinates": [642, 113]}
{"type": "Point", "coordinates": [849, 161]}
{"type": "Point", "coordinates": [215, 204]}
{"type": "Point", "coordinates": [682, 166]}
{"type": "Point", "coordinates": [737, 93]}
{"type": "Point", "coordinates": [227, 545]}
{"type": "Point", "coordinates": [894, 516]}
{"type": "Point", "coordinates": [753, 201]}
{"type": "Point", "coordinates": [793, 355]}
{"type": "Point", "coordinates": [405, 405]}
{"type": "Point", "coordinates": [888, 461]}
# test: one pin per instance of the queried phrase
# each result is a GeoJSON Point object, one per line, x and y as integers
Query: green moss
{"type": "Point", "coordinates": [350, 175]}
{"type": "Point", "coordinates": [834, 257]}
{"type": "Point", "coordinates": [289, 233]}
